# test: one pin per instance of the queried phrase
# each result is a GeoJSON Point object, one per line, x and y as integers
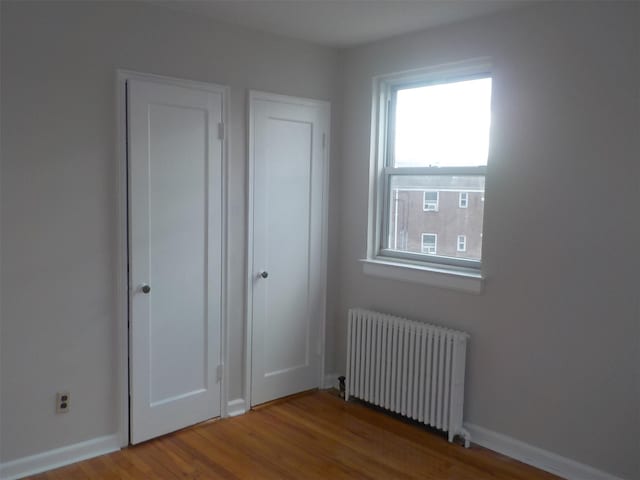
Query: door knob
{"type": "Point", "coordinates": [145, 289]}
{"type": "Point", "coordinates": [264, 274]}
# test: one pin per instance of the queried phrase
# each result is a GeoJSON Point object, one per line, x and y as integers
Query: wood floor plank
{"type": "Point", "coordinates": [311, 437]}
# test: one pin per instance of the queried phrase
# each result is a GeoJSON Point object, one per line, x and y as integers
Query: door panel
{"type": "Point", "coordinates": [287, 238]}
{"type": "Point", "coordinates": [287, 306]}
{"type": "Point", "coordinates": [177, 314]}
{"type": "Point", "coordinates": [175, 249]}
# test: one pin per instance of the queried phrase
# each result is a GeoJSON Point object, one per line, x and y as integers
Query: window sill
{"type": "Point", "coordinates": [442, 277]}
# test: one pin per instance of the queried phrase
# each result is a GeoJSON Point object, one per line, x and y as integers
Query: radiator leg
{"type": "Point", "coordinates": [342, 387]}
{"type": "Point", "coordinates": [464, 433]}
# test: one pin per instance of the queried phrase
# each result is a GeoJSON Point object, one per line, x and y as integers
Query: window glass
{"type": "Point", "coordinates": [443, 124]}
{"type": "Point", "coordinates": [408, 217]}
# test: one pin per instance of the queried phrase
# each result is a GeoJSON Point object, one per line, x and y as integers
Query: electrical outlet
{"type": "Point", "coordinates": [62, 402]}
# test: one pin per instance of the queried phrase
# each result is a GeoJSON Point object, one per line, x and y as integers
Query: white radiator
{"type": "Point", "coordinates": [410, 368]}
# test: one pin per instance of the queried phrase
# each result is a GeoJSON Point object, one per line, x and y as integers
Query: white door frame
{"type": "Point", "coordinates": [326, 106]}
{"type": "Point", "coordinates": [122, 242]}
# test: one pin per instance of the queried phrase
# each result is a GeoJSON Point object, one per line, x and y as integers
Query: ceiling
{"type": "Point", "coordinates": [340, 23]}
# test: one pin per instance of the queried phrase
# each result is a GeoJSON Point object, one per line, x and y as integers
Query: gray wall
{"type": "Point", "coordinates": [58, 201]}
{"type": "Point", "coordinates": [555, 336]}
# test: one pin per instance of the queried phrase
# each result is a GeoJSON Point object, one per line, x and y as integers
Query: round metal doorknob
{"type": "Point", "coordinates": [146, 289]}
{"type": "Point", "coordinates": [264, 274]}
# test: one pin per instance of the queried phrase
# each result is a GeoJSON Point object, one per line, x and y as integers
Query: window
{"type": "Point", "coordinates": [431, 151]}
{"type": "Point", "coordinates": [462, 243]}
{"type": "Point", "coordinates": [430, 201]}
{"type": "Point", "coordinates": [429, 243]}
{"type": "Point", "coordinates": [463, 199]}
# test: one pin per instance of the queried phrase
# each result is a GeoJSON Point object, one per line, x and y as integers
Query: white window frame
{"type": "Point", "coordinates": [430, 206]}
{"type": "Point", "coordinates": [463, 200]}
{"type": "Point", "coordinates": [461, 243]}
{"type": "Point", "coordinates": [435, 244]}
{"type": "Point", "coordinates": [384, 87]}
{"type": "Point", "coordinates": [378, 263]}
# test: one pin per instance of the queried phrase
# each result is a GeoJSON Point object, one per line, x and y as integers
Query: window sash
{"type": "Point", "coordinates": [386, 175]}
{"type": "Point", "coordinates": [429, 237]}
{"type": "Point", "coordinates": [439, 80]}
{"type": "Point", "coordinates": [431, 171]}
{"type": "Point", "coordinates": [434, 260]}
{"type": "Point", "coordinates": [392, 99]}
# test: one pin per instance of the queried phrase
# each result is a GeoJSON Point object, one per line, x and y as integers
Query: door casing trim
{"type": "Point", "coordinates": [325, 106]}
{"type": "Point", "coordinates": [122, 235]}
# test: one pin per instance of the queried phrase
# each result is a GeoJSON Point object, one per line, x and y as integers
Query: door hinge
{"type": "Point", "coordinates": [219, 372]}
{"type": "Point", "coordinates": [221, 131]}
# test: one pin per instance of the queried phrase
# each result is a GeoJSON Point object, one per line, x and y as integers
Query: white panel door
{"type": "Point", "coordinates": [287, 270]}
{"type": "Point", "coordinates": [175, 158]}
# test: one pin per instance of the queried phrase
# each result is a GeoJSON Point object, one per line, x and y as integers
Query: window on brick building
{"type": "Point", "coordinates": [429, 243]}
{"type": "Point", "coordinates": [463, 199]}
{"type": "Point", "coordinates": [430, 201]}
{"type": "Point", "coordinates": [462, 243]}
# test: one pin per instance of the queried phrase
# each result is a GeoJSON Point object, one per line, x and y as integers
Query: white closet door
{"type": "Point", "coordinates": [175, 231]}
{"type": "Point", "coordinates": [287, 271]}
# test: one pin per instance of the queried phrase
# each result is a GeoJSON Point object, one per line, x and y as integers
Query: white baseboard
{"type": "Point", "coordinates": [58, 457]}
{"type": "Point", "coordinates": [236, 407]}
{"type": "Point", "coordinates": [534, 456]}
{"type": "Point", "coordinates": [330, 380]}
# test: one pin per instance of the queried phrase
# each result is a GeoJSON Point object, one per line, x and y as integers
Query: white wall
{"type": "Point", "coordinates": [58, 201]}
{"type": "Point", "coordinates": [554, 355]}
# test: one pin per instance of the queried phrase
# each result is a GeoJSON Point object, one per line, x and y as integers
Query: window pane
{"type": "Point", "coordinates": [412, 228]}
{"type": "Point", "coordinates": [445, 125]}
{"type": "Point", "coordinates": [430, 196]}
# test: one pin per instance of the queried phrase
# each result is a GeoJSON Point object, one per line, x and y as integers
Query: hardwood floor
{"type": "Point", "coordinates": [312, 436]}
